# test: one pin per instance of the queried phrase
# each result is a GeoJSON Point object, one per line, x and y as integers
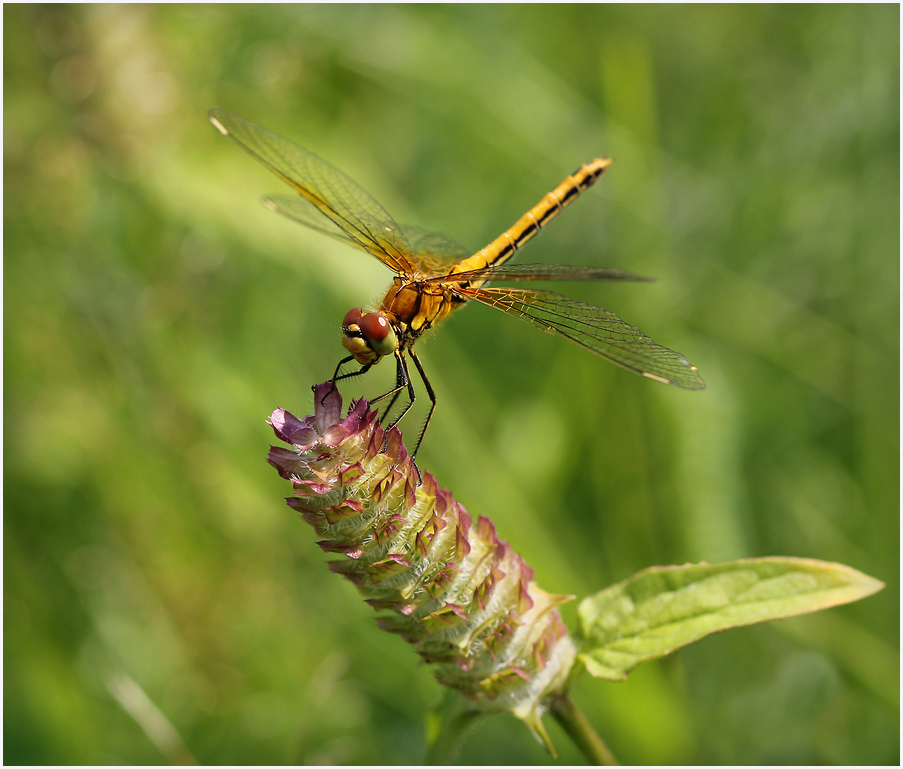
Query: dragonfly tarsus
{"type": "Point", "coordinates": [402, 381]}
{"type": "Point", "coordinates": [336, 377]}
{"type": "Point", "coordinates": [432, 397]}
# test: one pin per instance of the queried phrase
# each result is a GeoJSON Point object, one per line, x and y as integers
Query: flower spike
{"type": "Point", "coordinates": [445, 583]}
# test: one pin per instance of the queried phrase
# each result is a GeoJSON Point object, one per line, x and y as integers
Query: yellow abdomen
{"type": "Point", "coordinates": [506, 245]}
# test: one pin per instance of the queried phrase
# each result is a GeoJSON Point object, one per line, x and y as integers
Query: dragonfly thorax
{"type": "Point", "coordinates": [368, 336]}
{"type": "Point", "coordinates": [416, 306]}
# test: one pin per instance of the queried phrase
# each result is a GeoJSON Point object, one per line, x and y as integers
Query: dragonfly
{"type": "Point", "coordinates": [434, 275]}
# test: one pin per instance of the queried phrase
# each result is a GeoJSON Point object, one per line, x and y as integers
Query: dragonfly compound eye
{"type": "Point", "coordinates": [353, 317]}
{"type": "Point", "coordinates": [378, 332]}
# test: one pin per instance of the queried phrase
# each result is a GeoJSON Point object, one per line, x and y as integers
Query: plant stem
{"type": "Point", "coordinates": [579, 730]}
{"type": "Point", "coordinates": [446, 726]}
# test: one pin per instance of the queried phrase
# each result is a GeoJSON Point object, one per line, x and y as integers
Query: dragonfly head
{"type": "Point", "coordinates": [368, 336]}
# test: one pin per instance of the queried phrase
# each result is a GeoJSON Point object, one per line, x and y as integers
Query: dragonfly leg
{"type": "Point", "coordinates": [391, 405]}
{"type": "Point", "coordinates": [339, 368]}
{"type": "Point", "coordinates": [402, 381]}
{"type": "Point", "coordinates": [432, 397]}
{"type": "Point", "coordinates": [335, 377]}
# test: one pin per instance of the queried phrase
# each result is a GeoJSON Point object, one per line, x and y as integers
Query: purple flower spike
{"type": "Point", "coordinates": [445, 583]}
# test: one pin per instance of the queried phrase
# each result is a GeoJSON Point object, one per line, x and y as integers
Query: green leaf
{"type": "Point", "coordinates": [663, 608]}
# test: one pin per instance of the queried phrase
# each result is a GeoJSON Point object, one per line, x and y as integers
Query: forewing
{"type": "Point", "coordinates": [435, 253]}
{"type": "Point", "coordinates": [542, 272]}
{"type": "Point", "coordinates": [302, 210]}
{"type": "Point", "coordinates": [598, 330]}
{"type": "Point", "coordinates": [335, 195]}
{"type": "Point", "coordinates": [432, 252]}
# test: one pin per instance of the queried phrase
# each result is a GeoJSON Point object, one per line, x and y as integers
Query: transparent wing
{"type": "Point", "coordinates": [598, 330]}
{"type": "Point", "coordinates": [436, 254]}
{"type": "Point", "coordinates": [302, 210]}
{"type": "Point", "coordinates": [433, 253]}
{"type": "Point", "coordinates": [335, 195]}
{"type": "Point", "coordinates": [540, 272]}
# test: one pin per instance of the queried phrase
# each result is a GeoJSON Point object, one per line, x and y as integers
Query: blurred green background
{"type": "Point", "coordinates": [161, 602]}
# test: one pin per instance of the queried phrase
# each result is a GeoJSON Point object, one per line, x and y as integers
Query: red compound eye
{"type": "Point", "coordinates": [374, 326]}
{"type": "Point", "coordinates": [378, 333]}
{"type": "Point", "coordinates": [353, 317]}
{"type": "Point", "coordinates": [373, 333]}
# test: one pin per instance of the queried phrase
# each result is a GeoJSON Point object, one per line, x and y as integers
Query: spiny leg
{"type": "Point", "coordinates": [390, 406]}
{"type": "Point", "coordinates": [335, 377]}
{"type": "Point", "coordinates": [402, 380]}
{"type": "Point", "coordinates": [432, 397]}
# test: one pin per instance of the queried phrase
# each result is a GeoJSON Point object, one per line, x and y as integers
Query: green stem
{"type": "Point", "coordinates": [446, 726]}
{"type": "Point", "coordinates": [579, 730]}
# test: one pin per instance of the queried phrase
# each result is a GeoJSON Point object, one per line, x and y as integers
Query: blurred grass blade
{"type": "Point", "coordinates": [150, 718]}
{"type": "Point", "coordinates": [663, 608]}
